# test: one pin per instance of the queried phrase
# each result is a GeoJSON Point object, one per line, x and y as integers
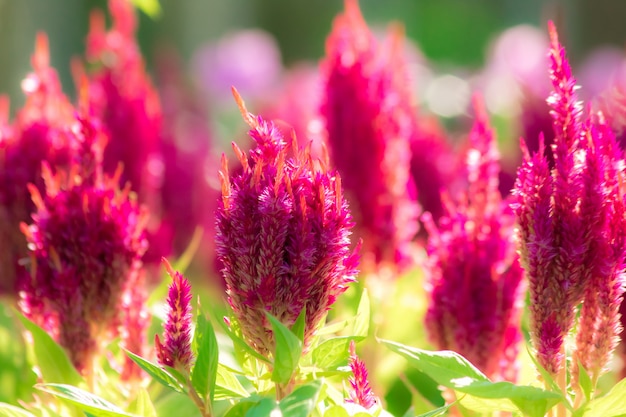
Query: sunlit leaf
{"type": "Point", "coordinates": [584, 380]}
{"type": "Point", "coordinates": [157, 373]}
{"type": "Point", "coordinates": [227, 385]}
{"type": "Point", "coordinates": [287, 353]}
{"type": "Point", "coordinates": [333, 352]}
{"type": "Point", "coordinates": [267, 407]}
{"type": "Point", "coordinates": [301, 402]}
{"type": "Point", "coordinates": [86, 401]}
{"type": "Point", "coordinates": [437, 412]}
{"type": "Point", "coordinates": [52, 360]}
{"type": "Point", "coordinates": [610, 405]}
{"type": "Point", "coordinates": [142, 405]}
{"type": "Point", "coordinates": [204, 371]}
{"type": "Point", "coordinates": [299, 325]}
{"type": "Point", "coordinates": [362, 323]}
{"type": "Point", "coordinates": [150, 7]}
{"type": "Point", "coordinates": [8, 410]}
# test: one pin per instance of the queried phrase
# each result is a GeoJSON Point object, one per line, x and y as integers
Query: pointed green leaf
{"type": "Point", "coordinates": [204, 371]}
{"type": "Point", "coordinates": [453, 371]}
{"type": "Point", "coordinates": [149, 7]}
{"type": "Point", "coordinates": [159, 374]}
{"type": "Point", "coordinates": [287, 353]}
{"type": "Point", "coordinates": [299, 325]}
{"type": "Point", "coordinates": [86, 401]}
{"type": "Point", "coordinates": [584, 381]}
{"type": "Point", "coordinates": [301, 402]}
{"type": "Point", "coordinates": [610, 405]}
{"type": "Point", "coordinates": [142, 405]}
{"type": "Point", "coordinates": [227, 385]}
{"type": "Point", "coordinates": [8, 410]}
{"type": "Point", "coordinates": [267, 407]}
{"type": "Point", "coordinates": [437, 412]}
{"type": "Point", "coordinates": [52, 360]}
{"type": "Point", "coordinates": [333, 352]}
{"type": "Point", "coordinates": [362, 323]}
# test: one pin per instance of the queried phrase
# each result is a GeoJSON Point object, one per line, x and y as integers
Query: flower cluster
{"type": "Point", "coordinates": [475, 284]}
{"type": "Point", "coordinates": [85, 243]}
{"type": "Point", "coordinates": [369, 119]}
{"type": "Point", "coordinates": [283, 229]}
{"type": "Point", "coordinates": [571, 230]}
{"type": "Point", "coordinates": [360, 391]}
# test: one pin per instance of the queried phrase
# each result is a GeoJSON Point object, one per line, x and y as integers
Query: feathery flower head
{"type": "Point", "coordinates": [283, 235]}
{"type": "Point", "coordinates": [476, 282]}
{"type": "Point", "coordinates": [176, 350]}
{"type": "Point", "coordinates": [360, 393]}
{"type": "Point", "coordinates": [369, 118]}
{"type": "Point", "coordinates": [122, 96]}
{"type": "Point", "coordinates": [570, 229]}
{"type": "Point", "coordinates": [85, 244]}
{"type": "Point", "coordinates": [41, 132]}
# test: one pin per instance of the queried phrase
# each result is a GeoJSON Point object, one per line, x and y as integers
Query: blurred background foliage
{"type": "Point", "coordinates": [455, 32]}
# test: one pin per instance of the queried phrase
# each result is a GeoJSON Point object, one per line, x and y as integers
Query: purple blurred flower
{"type": "Point", "coordinates": [176, 352]}
{"type": "Point", "coordinates": [360, 391]}
{"type": "Point", "coordinates": [369, 117]}
{"type": "Point", "coordinates": [571, 230]}
{"type": "Point", "coordinates": [283, 236]}
{"type": "Point", "coordinates": [41, 132]}
{"type": "Point", "coordinates": [85, 244]}
{"type": "Point", "coordinates": [476, 282]}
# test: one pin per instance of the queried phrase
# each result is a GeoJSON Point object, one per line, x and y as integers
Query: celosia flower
{"type": "Point", "coordinates": [85, 244]}
{"type": "Point", "coordinates": [122, 96]}
{"type": "Point", "coordinates": [369, 119]}
{"type": "Point", "coordinates": [133, 326]}
{"type": "Point", "coordinates": [176, 352]}
{"type": "Point", "coordinates": [41, 132]}
{"type": "Point", "coordinates": [475, 280]}
{"type": "Point", "coordinates": [571, 229]}
{"type": "Point", "coordinates": [283, 231]}
{"type": "Point", "coordinates": [360, 393]}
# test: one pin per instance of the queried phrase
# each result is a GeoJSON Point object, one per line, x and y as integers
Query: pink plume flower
{"type": "Point", "coordinates": [176, 350]}
{"type": "Point", "coordinates": [476, 283]}
{"type": "Point", "coordinates": [369, 118]}
{"type": "Point", "coordinates": [283, 236]}
{"type": "Point", "coordinates": [41, 132]}
{"type": "Point", "coordinates": [571, 230]}
{"type": "Point", "coordinates": [360, 391]}
{"type": "Point", "coordinates": [85, 245]}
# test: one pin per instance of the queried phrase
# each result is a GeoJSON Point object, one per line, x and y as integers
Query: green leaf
{"type": "Point", "coordinates": [336, 411]}
{"type": "Point", "coordinates": [437, 412]}
{"type": "Point", "coordinates": [299, 325]}
{"type": "Point", "coordinates": [204, 371]}
{"type": "Point", "coordinates": [610, 405]}
{"type": "Point", "coordinates": [488, 405]}
{"type": "Point", "coordinates": [287, 353]}
{"type": "Point", "coordinates": [8, 410]}
{"type": "Point", "coordinates": [150, 7]}
{"type": "Point", "coordinates": [542, 371]}
{"type": "Point", "coordinates": [267, 407]}
{"type": "Point", "coordinates": [240, 409]}
{"type": "Point", "coordinates": [334, 327]}
{"type": "Point", "coordinates": [362, 323]}
{"type": "Point", "coordinates": [52, 360]}
{"type": "Point", "coordinates": [301, 402]}
{"type": "Point", "coordinates": [451, 370]}
{"type": "Point", "coordinates": [142, 404]}
{"type": "Point", "coordinates": [584, 380]}
{"type": "Point", "coordinates": [333, 352]}
{"type": "Point", "coordinates": [84, 400]}
{"type": "Point", "coordinates": [227, 385]}
{"type": "Point", "coordinates": [156, 372]}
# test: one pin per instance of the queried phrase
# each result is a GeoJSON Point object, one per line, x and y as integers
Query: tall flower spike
{"type": "Point", "coordinates": [283, 236]}
{"type": "Point", "coordinates": [176, 352]}
{"type": "Point", "coordinates": [369, 119]}
{"type": "Point", "coordinates": [571, 231]}
{"type": "Point", "coordinates": [85, 245]}
{"type": "Point", "coordinates": [360, 391]}
{"type": "Point", "coordinates": [475, 282]}
{"type": "Point", "coordinates": [41, 132]}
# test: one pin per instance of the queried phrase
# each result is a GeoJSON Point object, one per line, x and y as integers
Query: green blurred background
{"type": "Point", "coordinates": [447, 31]}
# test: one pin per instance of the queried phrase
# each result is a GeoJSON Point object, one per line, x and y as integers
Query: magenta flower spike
{"type": "Point", "coordinates": [360, 391]}
{"type": "Point", "coordinates": [122, 96]}
{"type": "Point", "coordinates": [85, 243]}
{"type": "Point", "coordinates": [176, 349]}
{"type": "Point", "coordinates": [41, 132]}
{"type": "Point", "coordinates": [571, 231]}
{"type": "Point", "coordinates": [475, 283]}
{"type": "Point", "coordinates": [369, 118]}
{"type": "Point", "coordinates": [283, 235]}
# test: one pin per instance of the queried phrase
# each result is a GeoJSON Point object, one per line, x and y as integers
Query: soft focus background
{"type": "Point", "coordinates": [452, 34]}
